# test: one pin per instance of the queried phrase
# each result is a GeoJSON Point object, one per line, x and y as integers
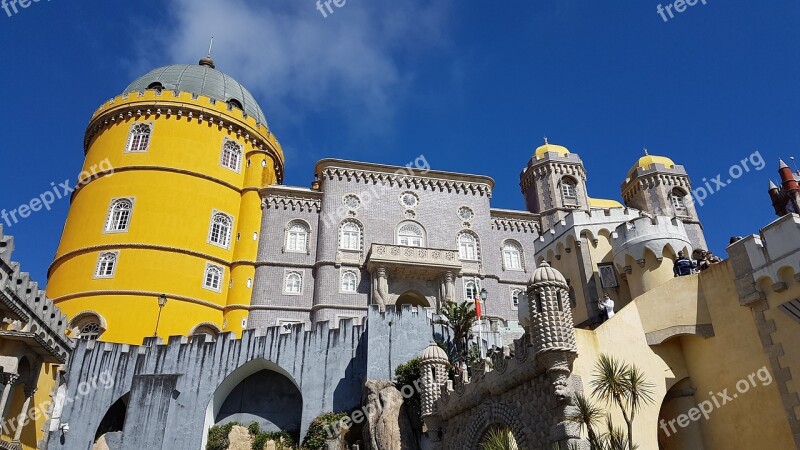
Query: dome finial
{"type": "Point", "coordinates": [645, 151]}
{"type": "Point", "coordinates": [545, 139]}
{"type": "Point", "coordinates": [206, 60]}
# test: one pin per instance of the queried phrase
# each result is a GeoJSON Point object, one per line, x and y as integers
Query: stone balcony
{"type": "Point", "coordinates": [413, 261]}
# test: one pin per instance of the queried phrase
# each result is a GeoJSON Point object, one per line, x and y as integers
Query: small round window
{"type": "Point", "coordinates": [409, 200]}
{"type": "Point", "coordinates": [465, 213]}
{"type": "Point", "coordinates": [351, 201]}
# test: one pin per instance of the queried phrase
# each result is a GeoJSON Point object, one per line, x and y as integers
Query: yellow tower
{"type": "Point", "coordinates": [172, 209]}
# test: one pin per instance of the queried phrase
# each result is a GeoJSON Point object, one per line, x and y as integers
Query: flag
{"type": "Point", "coordinates": [478, 307]}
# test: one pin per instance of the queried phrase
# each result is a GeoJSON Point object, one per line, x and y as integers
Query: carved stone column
{"type": "Point", "coordinates": [8, 379]}
{"type": "Point", "coordinates": [449, 287]}
{"type": "Point", "coordinates": [29, 391]}
{"type": "Point", "coordinates": [380, 288]}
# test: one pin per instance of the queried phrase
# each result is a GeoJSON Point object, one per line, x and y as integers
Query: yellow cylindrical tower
{"type": "Point", "coordinates": [169, 205]}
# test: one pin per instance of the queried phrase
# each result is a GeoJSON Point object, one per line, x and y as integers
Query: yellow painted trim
{"type": "Point", "coordinates": [137, 293]}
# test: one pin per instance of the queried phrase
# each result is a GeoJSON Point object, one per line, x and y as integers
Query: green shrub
{"type": "Point", "coordinates": [254, 429]}
{"type": "Point", "coordinates": [218, 436]}
{"type": "Point", "coordinates": [407, 374]}
{"type": "Point", "coordinates": [317, 436]}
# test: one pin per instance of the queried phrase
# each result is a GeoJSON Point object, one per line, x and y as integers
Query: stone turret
{"type": "Point", "coordinates": [554, 344]}
{"type": "Point", "coordinates": [433, 368]}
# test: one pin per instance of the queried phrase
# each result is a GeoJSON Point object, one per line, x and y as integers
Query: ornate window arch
{"type": "Point", "coordinates": [106, 265]}
{"type": "Point", "coordinates": [516, 297]}
{"type": "Point", "coordinates": [568, 188]}
{"type": "Point", "coordinates": [677, 198]}
{"type": "Point", "coordinates": [293, 282]}
{"type": "Point", "coordinates": [468, 246]}
{"type": "Point", "coordinates": [207, 328]}
{"type": "Point", "coordinates": [212, 278]}
{"type": "Point", "coordinates": [513, 255]}
{"type": "Point", "coordinates": [297, 237]}
{"type": "Point", "coordinates": [231, 155]}
{"type": "Point", "coordinates": [351, 235]}
{"type": "Point", "coordinates": [87, 325]}
{"type": "Point", "coordinates": [349, 281]}
{"type": "Point", "coordinates": [410, 234]}
{"type": "Point", "coordinates": [220, 229]}
{"type": "Point", "coordinates": [139, 137]}
{"type": "Point", "coordinates": [119, 215]}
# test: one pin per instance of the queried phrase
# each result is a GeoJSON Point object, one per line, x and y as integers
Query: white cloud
{"type": "Point", "coordinates": [294, 60]}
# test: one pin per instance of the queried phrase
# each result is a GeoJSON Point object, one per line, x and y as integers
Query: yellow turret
{"type": "Point", "coordinates": [178, 214]}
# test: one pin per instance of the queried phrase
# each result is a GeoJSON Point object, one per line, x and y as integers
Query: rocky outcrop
{"type": "Point", "coordinates": [389, 425]}
{"type": "Point", "coordinates": [240, 439]}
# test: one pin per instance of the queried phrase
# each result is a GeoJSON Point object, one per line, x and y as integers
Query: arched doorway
{"type": "Point", "coordinates": [498, 436]}
{"type": "Point", "coordinates": [678, 400]}
{"type": "Point", "coordinates": [258, 391]}
{"type": "Point", "coordinates": [413, 298]}
{"type": "Point", "coordinates": [114, 420]}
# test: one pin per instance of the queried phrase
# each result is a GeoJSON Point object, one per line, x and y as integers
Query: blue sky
{"type": "Point", "coordinates": [472, 85]}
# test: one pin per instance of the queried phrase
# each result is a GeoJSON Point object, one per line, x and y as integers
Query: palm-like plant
{"type": "Point", "coordinates": [624, 385]}
{"type": "Point", "coordinates": [588, 416]}
{"type": "Point", "coordinates": [499, 439]}
{"type": "Point", "coordinates": [460, 318]}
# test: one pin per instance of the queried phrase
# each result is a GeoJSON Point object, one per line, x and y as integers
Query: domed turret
{"type": "Point", "coordinates": [540, 152]}
{"type": "Point", "coordinates": [433, 354]}
{"type": "Point", "coordinates": [545, 273]}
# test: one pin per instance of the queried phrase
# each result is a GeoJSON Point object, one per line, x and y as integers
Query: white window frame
{"type": "Point", "coordinates": [286, 274]}
{"type": "Point", "coordinates": [566, 185]}
{"type": "Point", "coordinates": [100, 261]}
{"type": "Point", "coordinates": [110, 216]}
{"type": "Point", "coordinates": [284, 322]}
{"type": "Point", "coordinates": [464, 248]}
{"type": "Point", "coordinates": [210, 266]}
{"type": "Point", "coordinates": [133, 133]}
{"type": "Point", "coordinates": [344, 273]}
{"type": "Point", "coordinates": [519, 251]}
{"type": "Point", "coordinates": [477, 292]}
{"type": "Point", "coordinates": [410, 240]}
{"type": "Point", "coordinates": [346, 241]}
{"type": "Point", "coordinates": [226, 244]}
{"type": "Point", "coordinates": [678, 202]}
{"type": "Point", "coordinates": [307, 235]}
{"type": "Point", "coordinates": [238, 154]}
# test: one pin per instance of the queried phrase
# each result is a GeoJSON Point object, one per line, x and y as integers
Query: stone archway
{"type": "Point", "coordinates": [679, 399]}
{"type": "Point", "coordinates": [258, 391]}
{"type": "Point", "coordinates": [492, 416]}
{"type": "Point", "coordinates": [413, 298]}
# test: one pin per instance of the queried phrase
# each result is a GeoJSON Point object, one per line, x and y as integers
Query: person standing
{"type": "Point", "coordinates": [683, 266]}
{"type": "Point", "coordinates": [606, 306]}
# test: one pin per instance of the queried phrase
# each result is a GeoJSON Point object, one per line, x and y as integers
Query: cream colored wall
{"type": "Point", "coordinates": [712, 364]}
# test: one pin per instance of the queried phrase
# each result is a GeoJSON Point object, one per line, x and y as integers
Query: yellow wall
{"type": "Point", "coordinates": [38, 409]}
{"type": "Point", "coordinates": [710, 364]}
{"type": "Point", "coordinates": [176, 185]}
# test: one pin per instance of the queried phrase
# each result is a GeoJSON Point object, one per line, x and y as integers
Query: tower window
{"type": "Point", "coordinates": [349, 281]}
{"type": "Point", "coordinates": [411, 235]}
{"type": "Point", "coordinates": [568, 191]}
{"type": "Point", "coordinates": [470, 291]}
{"type": "Point", "coordinates": [212, 278]}
{"type": "Point", "coordinates": [119, 215]}
{"type": "Point", "coordinates": [231, 155]}
{"type": "Point", "coordinates": [219, 232]}
{"type": "Point", "coordinates": [512, 256]}
{"type": "Point", "coordinates": [90, 332]}
{"type": "Point", "coordinates": [468, 246]}
{"type": "Point", "coordinates": [350, 236]}
{"type": "Point", "coordinates": [678, 199]}
{"type": "Point", "coordinates": [139, 137]}
{"type": "Point", "coordinates": [293, 284]}
{"type": "Point", "coordinates": [156, 86]}
{"type": "Point", "coordinates": [106, 265]}
{"type": "Point", "coordinates": [233, 103]}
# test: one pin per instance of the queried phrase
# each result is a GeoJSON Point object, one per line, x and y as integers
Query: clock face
{"type": "Point", "coordinates": [352, 201]}
{"type": "Point", "coordinates": [465, 213]}
{"type": "Point", "coordinates": [409, 199]}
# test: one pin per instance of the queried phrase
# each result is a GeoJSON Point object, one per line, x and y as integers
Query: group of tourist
{"type": "Point", "coordinates": [703, 260]}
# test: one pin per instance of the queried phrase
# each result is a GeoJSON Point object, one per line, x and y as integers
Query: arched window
{"type": "Point", "coordinates": [470, 291]}
{"type": "Point", "coordinates": [106, 265]}
{"type": "Point", "coordinates": [119, 215]}
{"type": "Point", "coordinates": [349, 281]}
{"type": "Point", "coordinates": [208, 329]}
{"type": "Point", "coordinates": [213, 277]}
{"type": "Point", "coordinates": [90, 331]}
{"type": "Point", "coordinates": [219, 233]}
{"type": "Point", "coordinates": [231, 155]}
{"type": "Point", "coordinates": [512, 256]}
{"type": "Point", "coordinates": [139, 137]}
{"type": "Point", "coordinates": [410, 234]}
{"type": "Point", "coordinates": [516, 295]}
{"type": "Point", "coordinates": [468, 246]}
{"type": "Point", "coordinates": [297, 237]}
{"type": "Point", "coordinates": [293, 283]}
{"type": "Point", "coordinates": [678, 199]}
{"type": "Point", "coordinates": [350, 236]}
{"type": "Point", "coordinates": [568, 191]}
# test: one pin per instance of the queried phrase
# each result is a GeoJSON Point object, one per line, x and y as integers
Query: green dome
{"type": "Point", "coordinates": [200, 79]}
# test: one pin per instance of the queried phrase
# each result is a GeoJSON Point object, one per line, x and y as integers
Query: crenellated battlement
{"type": "Point", "coordinates": [37, 315]}
{"type": "Point", "coordinates": [770, 255]}
{"type": "Point", "coordinates": [655, 234]}
{"type": "Point", "coordinates": [578, 222]}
